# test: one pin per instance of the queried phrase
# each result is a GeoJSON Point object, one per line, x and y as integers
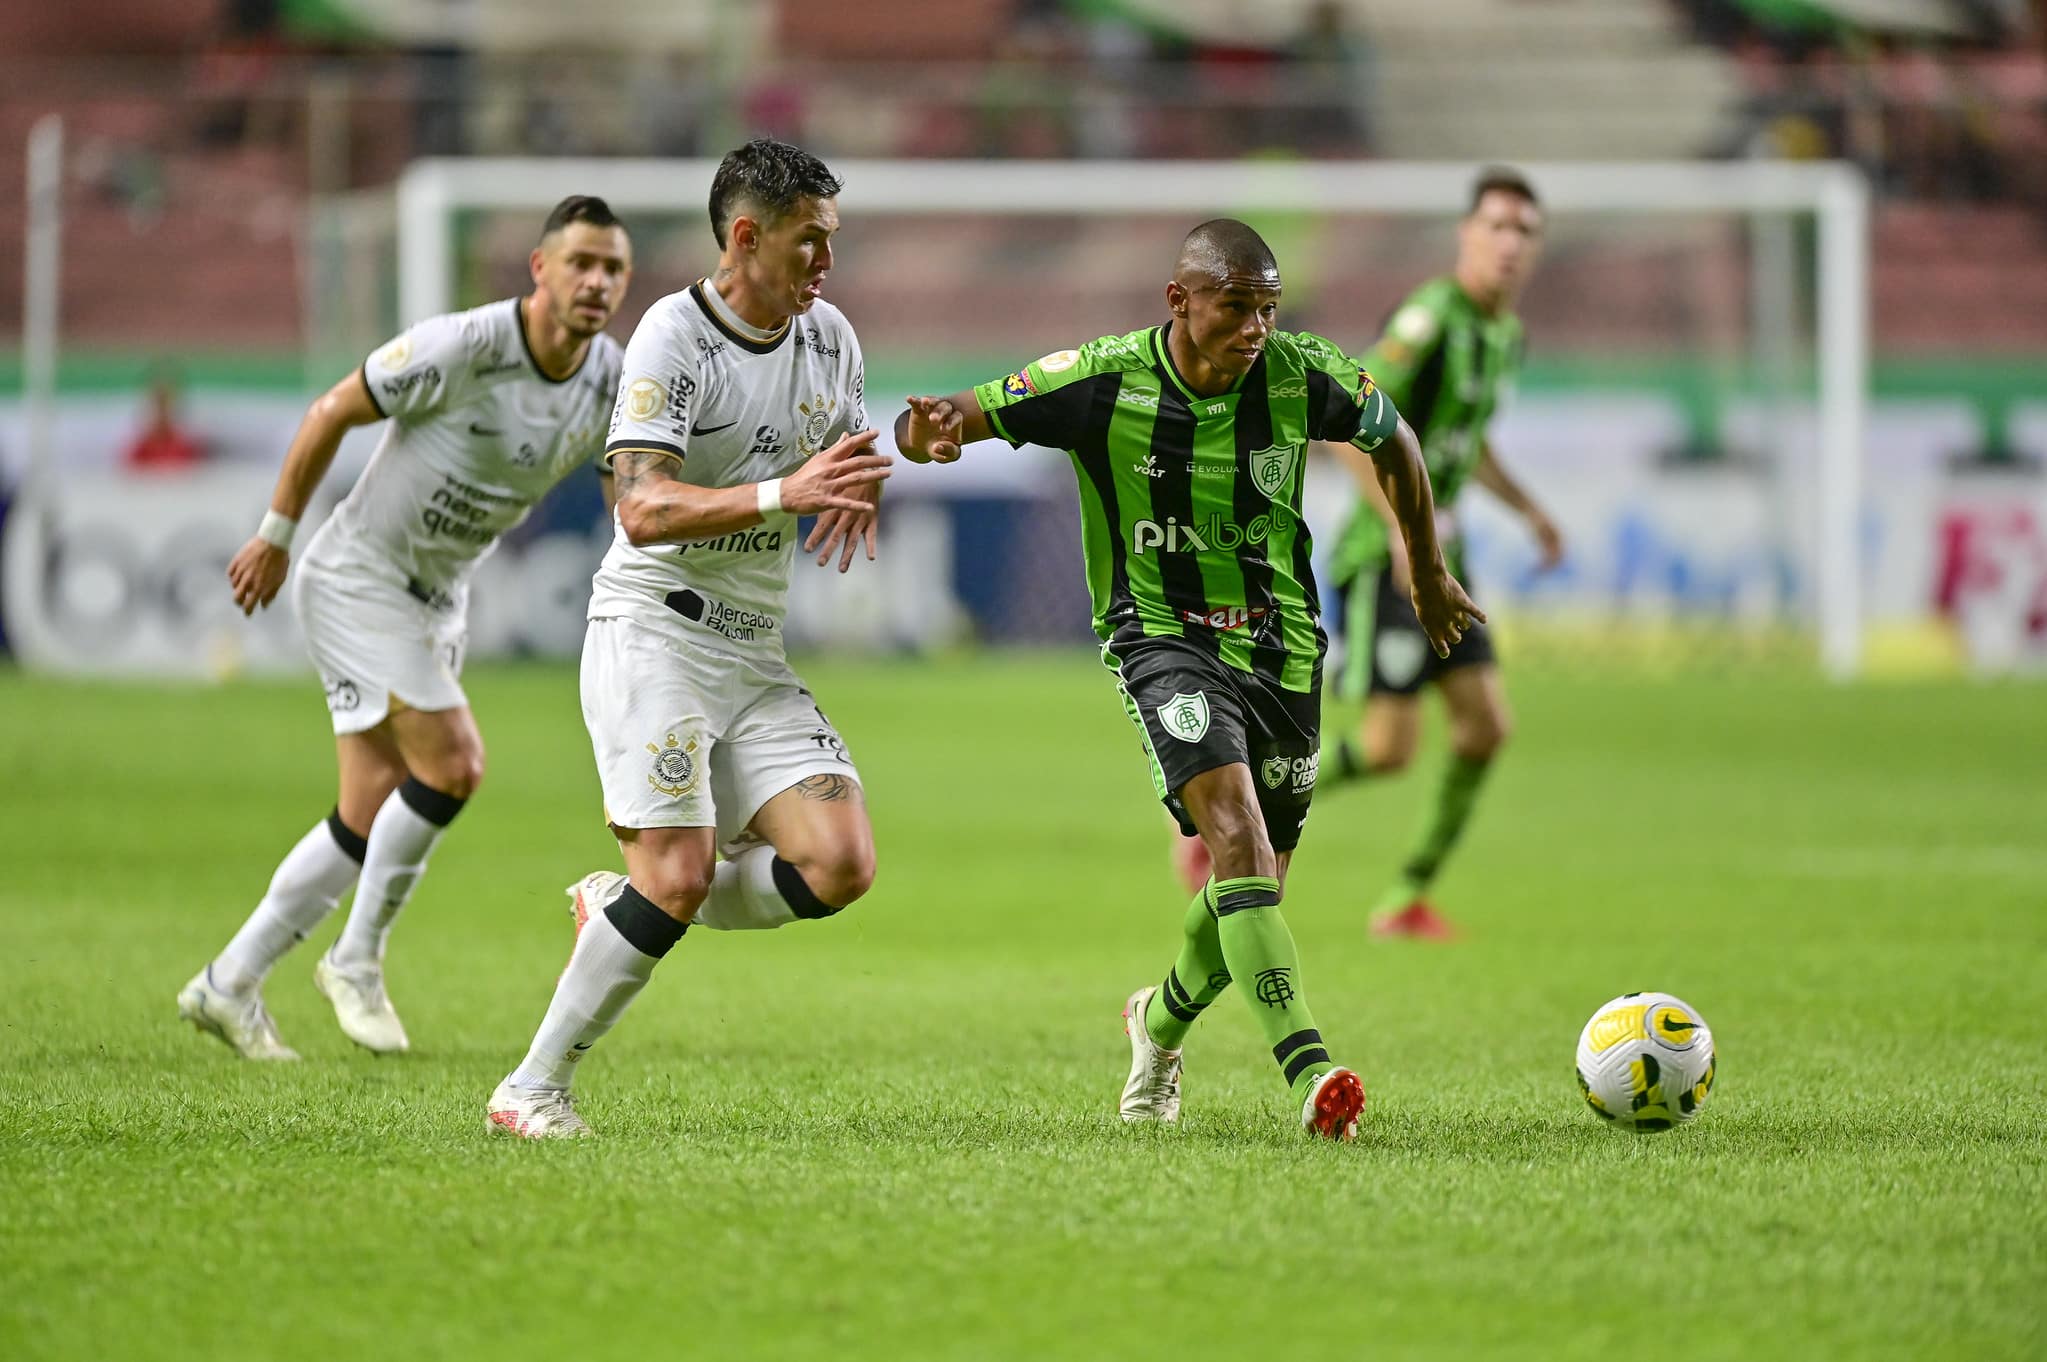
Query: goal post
{"type": "Point", "coordinates": [1762, 197]}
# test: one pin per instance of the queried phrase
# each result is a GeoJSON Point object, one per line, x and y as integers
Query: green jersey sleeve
{"type": "Point", "coordinates": [1343, 402]}
{"type": "Point", "coordinates": [1049, 400]}
{"type": "Point", "coordinates": [1413, 335]}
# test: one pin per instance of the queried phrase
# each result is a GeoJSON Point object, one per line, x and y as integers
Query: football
{"type": "Point", "coordinates": [1645, 1062]}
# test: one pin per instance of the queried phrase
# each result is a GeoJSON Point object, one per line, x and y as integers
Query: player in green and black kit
{"type": "Point", "coordinates": [1188, 440]}
{"type": "Point", "coordinates": [1447, 355]}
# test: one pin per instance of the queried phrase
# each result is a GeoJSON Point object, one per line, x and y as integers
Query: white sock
{"type": "Point", "coordinates": [743, 895]}
{"type": "Point", "coordinates": [400, 841]}
{"type": "Point", "coordinates": [606, 972]}
{"type": "Point", "coordinates": [309, 883]}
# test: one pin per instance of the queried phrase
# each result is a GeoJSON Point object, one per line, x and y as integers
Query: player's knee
{"type": "Point", "coordinates": [1387, 750]}
{"type": "Point", "coordinates": [843, 877]}
{"type": "Point", "coordinates": [827, 883]}
{"type": "Point", "coordinates": [461, 774]}
{"type": "Point", "coordinates": [1235, 836]}
{"type": "Point", "coordinates": [677, 890]}
{"type": "Point", "coordinates": [1482, 737]}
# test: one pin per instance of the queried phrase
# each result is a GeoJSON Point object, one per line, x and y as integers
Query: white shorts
{"type": "Point", "coordinates": [689, 738]}
{"type": "Point", "coordinates": [376, 644]}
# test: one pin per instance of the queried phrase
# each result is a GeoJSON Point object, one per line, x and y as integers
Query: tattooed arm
{"type": "Point", "coordinates": [656, 507]}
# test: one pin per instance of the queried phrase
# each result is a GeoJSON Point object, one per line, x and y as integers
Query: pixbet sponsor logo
{"type": "Point", "coordinates": [1181, 536]}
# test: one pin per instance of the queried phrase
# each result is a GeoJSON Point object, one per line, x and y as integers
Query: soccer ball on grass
{"type": "Point", "coordinates": [1645, 1062]}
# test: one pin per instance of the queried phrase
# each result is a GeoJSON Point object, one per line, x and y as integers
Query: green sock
{"type": "Point", "coordinates": [1455, 797]}
{"type": "Point", "coordinates": [1259, 949]}
{"type": "Point", "coordinates": [1196, 979]}
{"type": "Point", "coordinates": [1344, 763]}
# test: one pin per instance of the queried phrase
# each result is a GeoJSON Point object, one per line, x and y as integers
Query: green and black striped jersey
{"type": "Point", "coordinates": [1190, 506]}
{"type": "Point", "coordinates": [1447, 364]}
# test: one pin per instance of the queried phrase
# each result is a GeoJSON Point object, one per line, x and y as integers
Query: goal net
{"type": "Point", "coordinates": [1692, 410]}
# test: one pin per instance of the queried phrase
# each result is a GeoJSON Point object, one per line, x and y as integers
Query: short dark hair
{"type": "Point", "coordinates": [1506, 180]}
{"type": "Point", "coordinates": [1222, 247]}
{"type": "Point", "coordinates": [772, 176]}
{"type": "Point", "coordinates": [579, 208]}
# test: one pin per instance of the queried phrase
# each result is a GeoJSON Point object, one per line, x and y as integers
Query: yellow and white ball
{"type": "Point", "coordinates": [1645, 1062]}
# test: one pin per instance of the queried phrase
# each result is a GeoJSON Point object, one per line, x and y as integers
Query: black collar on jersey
{"type": "Point", "coordinates": [1163, 356]}
{"type": "Point", "coordinates": [747, 343]}
{"type": "Point", "coordinates": [519, 325]}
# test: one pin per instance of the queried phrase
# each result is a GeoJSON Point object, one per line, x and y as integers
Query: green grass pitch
{"type": "Point", "coordinates": [893, 1135]}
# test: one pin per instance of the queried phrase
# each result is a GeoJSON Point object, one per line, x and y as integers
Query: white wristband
{"type": "Point", "coordinates": [770, 498]}
{"type": "Point", "coordinates": [277, 530]}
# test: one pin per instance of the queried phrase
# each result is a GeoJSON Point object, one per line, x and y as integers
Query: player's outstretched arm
{"type": "Point", "coordinates": [1494, 477]}
{"type": "Point", "coordinates": [934, 429]}
{"type": "Point", "coordinates": [656, 507]}
{"type": "Point", "coordinates": [1439, 601]}
{"type": "Point", "coordinates": [257, 571]}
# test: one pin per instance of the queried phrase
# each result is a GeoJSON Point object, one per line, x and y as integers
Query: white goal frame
{"type": "Point", "coordinates": [1835, 194]}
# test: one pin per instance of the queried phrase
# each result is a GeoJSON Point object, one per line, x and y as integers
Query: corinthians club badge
{"type": "Point", "coordinates": [675, 767]}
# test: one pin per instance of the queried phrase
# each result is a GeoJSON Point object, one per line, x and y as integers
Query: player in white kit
{"type": "Point", "coordinates": [487, 410]}
{"type": "Point", "coordinates": [740, 408]}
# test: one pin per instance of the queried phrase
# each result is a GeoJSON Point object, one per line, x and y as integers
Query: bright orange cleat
{"type": "Point", "coordinates": [1418, 920]}
{"type": "Point", "coordinates": [1334, 1104]}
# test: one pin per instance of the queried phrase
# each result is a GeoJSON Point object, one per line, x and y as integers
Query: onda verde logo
{"type": "Point", "coordinates": [1180, 536]}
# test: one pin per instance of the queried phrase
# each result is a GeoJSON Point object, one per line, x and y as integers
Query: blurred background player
{"type": "Point", "coordinates": [1449, 354]}
{"type": "Point", "coordinates": [742, 406]}
{"type": "Point", "coordinates": [1188, 442]}
{"type": "Point", "coordinates": [488, 410]}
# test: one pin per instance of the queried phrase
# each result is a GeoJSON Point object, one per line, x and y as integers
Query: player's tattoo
{"type": "Point", "coordinates": [828, 789]}
{"type": "Point", "coordinates": [637, 470]}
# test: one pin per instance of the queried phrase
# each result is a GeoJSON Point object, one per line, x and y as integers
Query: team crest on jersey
{"type": "Point", "coordinates": [1018, 384]}
{"type": "Point", "coordinates": [675, 767]}
{"type": "Point", "coordinates": [1365, 387]}
{"type": "Point", "coordinates": [1273, 469]}
{"type": "Point", "coordinates": [1186, 716]}
{"type": "Point", "coordinates": [394, 355]}
{"type": "Point", "coordinates": [1274, 771]}
{"type": "Point", "coordinates": [817, 419]}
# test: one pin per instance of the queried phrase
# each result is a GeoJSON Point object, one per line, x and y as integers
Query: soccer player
{"type": "Point", "coordinates": [1448, 354]}
{"type": "Point", "coordinates": [741, 407]}
{"type": "Point", "coordinates": [487, 409]}
{"type": "Point", "coordinates": [1187, 440]}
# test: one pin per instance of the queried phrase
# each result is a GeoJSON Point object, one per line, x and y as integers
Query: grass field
{"type": "Point", "coordinates": [892, 1135]}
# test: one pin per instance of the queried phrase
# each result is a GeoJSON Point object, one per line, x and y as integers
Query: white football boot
{"type": "Point", "coordinates": [362, 1007]}
{"type": "Point", "coordinates": [242, 1024]}
{"type": "Point", "coordinates": [1333, 1105]}
{"type": "Point", "coordinates": [534, 1113]}
{"type": "Point", "coordinates": [1153, 1091]}
{"type": "Point", "coordinates": [589, 894]}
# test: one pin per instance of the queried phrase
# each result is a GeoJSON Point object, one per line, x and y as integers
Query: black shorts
{"type": "Point", "coordinates": [1385, 651]}
{"type": "Point", "coordinates": [1197, 712]}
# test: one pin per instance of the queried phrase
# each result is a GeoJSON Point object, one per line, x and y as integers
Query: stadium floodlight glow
{"type": "Point", "coordinates": [1834, 195]}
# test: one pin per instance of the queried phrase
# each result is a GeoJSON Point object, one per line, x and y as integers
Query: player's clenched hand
{"type": "Point", "coordinates": [833, 479]}
{"type": "Point", "coordinates": [845, 531]}
{"type": "Point", "coordinates": [255, 573]}
{"type": "Point", "coordinates": [934, 430]}
{"type": "Point", "coordinates": [1442, 607]}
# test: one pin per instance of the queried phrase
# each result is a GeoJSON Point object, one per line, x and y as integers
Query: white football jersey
{"type": "Point", "coordinates": [735, 410]}
{"type": "Point", "coordinates": [476, 435]}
